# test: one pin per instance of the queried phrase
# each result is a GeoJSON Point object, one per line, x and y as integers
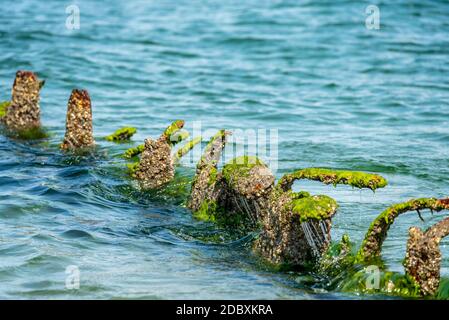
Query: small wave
{"type": "Point", "coordinates": [180, 54]}
{"type": "Point", "coordinates": [245, 41]}
{"type": "Point", "coordinates": [76, 234]}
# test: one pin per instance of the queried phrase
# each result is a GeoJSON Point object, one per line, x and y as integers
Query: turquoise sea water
{"type": "Point", "coordinates": [339, 94]}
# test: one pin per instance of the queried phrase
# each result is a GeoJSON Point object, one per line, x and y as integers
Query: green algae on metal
{"type": "Point", "coordinates": [443, 289]}
{"type": "Point", "coordinates": [338, 258]}
{"type": "Point", "coordinates": [134, 151]}
{"type": "Point", "coordinates": [207, 211]}
{"type": "Point", "coordinates": [342, 272]}
{"type": "Point", "coordinates": [300, 194]}
{"type": "Point", "coordinates": [236, 222]}
{"type": "Point", "coordinates": [174, 192]}
{"type": "Point", "coordinates": [213, 173]}
{"type": "Point", "coordinates": [3, 106]}
{"type": "Point", "coordinates": [171, 130]}
{"type": "Point", "coordinates": [328, 176]}
{"type": "Point", "coordinates": [132, 168]}
{"type": "Point", "coordinates": [35, 133]}
{"type": "Point", "coordinates": [239, 167]}
{"type": "Point", "coordinates": [314, 207]}
{"type": "Point", "coordinates": [122, 134]}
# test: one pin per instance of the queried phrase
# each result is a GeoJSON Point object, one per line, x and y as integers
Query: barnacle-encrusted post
{"type": "Point", "coordinates": [156, 166]}
{"type": "Point", "coordinates": [23, 113]}
{"type": "Point", "coordinates": [79, 132]}
{"type": "Point", "coordinates": [423, 256]}
{"type": "Point", "coordinates": [377, 232]}
{"type": "Point", "coordinates": [206, 189]}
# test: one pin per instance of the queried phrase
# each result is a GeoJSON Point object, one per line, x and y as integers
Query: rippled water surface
{"type": "Point", "coordinates": [340, 95]}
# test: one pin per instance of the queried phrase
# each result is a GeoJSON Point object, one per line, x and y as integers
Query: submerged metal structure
{"type": "Point", "coordinates": [79, 130]}
{"type": "Point", "coordinates": [293, 229]}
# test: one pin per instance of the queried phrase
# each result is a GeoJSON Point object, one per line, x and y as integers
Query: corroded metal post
{"type": "Point", "coordinates": [79, 132]}
{"type": "Point", "coordinates": [23, 114]}
{"type": "Point", "coordinates": [156, 166]}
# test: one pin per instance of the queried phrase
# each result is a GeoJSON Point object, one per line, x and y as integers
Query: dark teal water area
{"type": "Point", "coordinates": [340, 95]}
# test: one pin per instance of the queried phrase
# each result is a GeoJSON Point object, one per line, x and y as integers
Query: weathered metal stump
{"type": "Point", "coordinates": [79, 131]}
